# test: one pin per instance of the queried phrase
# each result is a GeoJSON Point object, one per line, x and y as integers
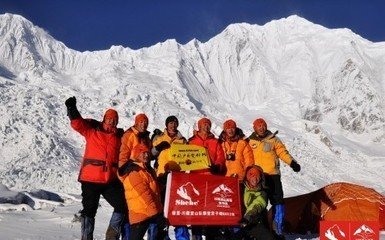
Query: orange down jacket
{"type": "Point", "coordinates": [242, 152]}
{"type": "Point", "coordinates": [213, 147]}
{"type": "Point", "coordinates": [130, 139]}
{"type": "Point", "coordinates": [100, 160]}
{"type": "Point", "coordinates": [142, 194]}
{"type": "Point", "coordinates": [267, 152]}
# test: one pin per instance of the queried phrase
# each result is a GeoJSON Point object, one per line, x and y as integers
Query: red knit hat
{"type": "Point", "coordinates": [259, 122]}
{"type": "Point", "coordinates": [254, 172]}
{"type": "Point", "coordinates": [229, 124]}
{"type": "Point", "coordinates": [111, 114]}
{"type": "Point", "coordinates": [141, 117]}
{"type": "Point", "coordinates": [138, 149]}
{"type": "Point", "coordinates": [203, 121]}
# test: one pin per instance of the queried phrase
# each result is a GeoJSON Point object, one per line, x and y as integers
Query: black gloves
{"type": "Point", "coordinates": [295, 166]}
{"type": "Point", "coordinates": [71, 102]}
{"type": "Point", "coordinates": [155, 133]}
{"type": "Point", "coordinates": [215, 169]}
{"type": "Point", "coordinates": [128, 167]}
{"type": "Point", "coordinates": [72, 111]}
{"type": "Point", "coordinates": [161, 146]}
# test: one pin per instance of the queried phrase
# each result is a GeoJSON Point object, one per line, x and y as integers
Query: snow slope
{"type": "Point", "coordinates": [323, 89]}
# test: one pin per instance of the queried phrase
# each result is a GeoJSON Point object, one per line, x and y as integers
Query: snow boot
{"type": "Point", "coordinates": [279, 216]}
{"type": "Point", "coordinates": [115, 226]}
{"type": "Point", "coordinates": [181, 233]}
{"type": "Point", "coordinates": [87, 227]}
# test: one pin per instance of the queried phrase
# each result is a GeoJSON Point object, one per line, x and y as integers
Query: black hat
{"type": "Point", "coordinates": [171, 119]}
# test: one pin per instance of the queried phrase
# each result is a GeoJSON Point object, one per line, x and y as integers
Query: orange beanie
{"type": "Point", "coordinates": [259, 122]}
{"type": "Point", "coordinates": [203, 121]}
{"type": "Point", "coordinates": [140, 117]}
{"type": "Point", "coordinates": [138, 149]}
{"type": "Point", "coordinates": [111, 114]}
{"type": "Point", "coordinates": [229, 124]}
{"type": "Point", "coordinates": [254, 171]}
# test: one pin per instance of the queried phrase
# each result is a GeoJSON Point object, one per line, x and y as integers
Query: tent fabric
{"type": "Point", "coordinates": [334, 202]}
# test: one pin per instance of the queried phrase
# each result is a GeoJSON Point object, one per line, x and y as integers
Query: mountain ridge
{"type": "Point", "coordinates": [322, 88]}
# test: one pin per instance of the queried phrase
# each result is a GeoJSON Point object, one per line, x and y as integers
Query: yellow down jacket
{"type": "Point", "coordinates": [267, 151]}
{"type": "Point", "coordinates": [164, 156]}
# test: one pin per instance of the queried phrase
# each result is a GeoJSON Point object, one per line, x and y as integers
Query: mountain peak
{"type": "Point", "coordinates": [291, 20]}
{"type": "Point", "coordinates": [13, 17]}
{"type": "Point", "coordinates": [13, 22]}
{"type": "Point", "coordinates": [297, 19]}
{"type": "Point", "coordinates": [24, 46]}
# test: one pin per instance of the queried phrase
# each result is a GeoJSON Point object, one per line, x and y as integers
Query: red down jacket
{"type": "Point", "coordinates": [214, 148]}
{"type": "Point", "coordinates": [100, 160]}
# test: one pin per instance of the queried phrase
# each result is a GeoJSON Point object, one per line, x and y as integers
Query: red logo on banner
{"type": "Point", "coordinates": [334, 230]}
{"type": "Point", "coordinates": [189, 195]}
{"type": "Point", "coordinates": [346, 230]}
{"type": "Point", "coordinates": [364, 230]}
{"type": "Point", "coordinates": [199, 199]}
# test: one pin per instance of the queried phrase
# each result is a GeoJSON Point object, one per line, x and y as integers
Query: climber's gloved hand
{"type": "Point", "coordinates": [295, 166]}
{"type": "Point", "coordinates": [70, 102]}
{"type": "Point", "coordinates": [215, 169]}
{"type": "Point", "coordinates": [162, 146]}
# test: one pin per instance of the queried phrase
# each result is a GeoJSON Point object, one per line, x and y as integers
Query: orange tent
{"type": "Point", "coordinates": [337, 202]}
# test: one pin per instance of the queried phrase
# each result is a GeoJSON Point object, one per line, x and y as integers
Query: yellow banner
{"type": "Point", "coordinates": [189, 157]}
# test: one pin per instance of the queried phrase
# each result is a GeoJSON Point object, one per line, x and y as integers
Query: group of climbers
{"type": "Point", "coordinates": [138, 198]}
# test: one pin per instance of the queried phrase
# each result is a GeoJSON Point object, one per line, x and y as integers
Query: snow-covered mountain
{"type": "Point", "coordinates": [323, 89]}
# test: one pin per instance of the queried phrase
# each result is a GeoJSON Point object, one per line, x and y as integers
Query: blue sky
{"type": "Point", "coordinates": [99, 24]}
